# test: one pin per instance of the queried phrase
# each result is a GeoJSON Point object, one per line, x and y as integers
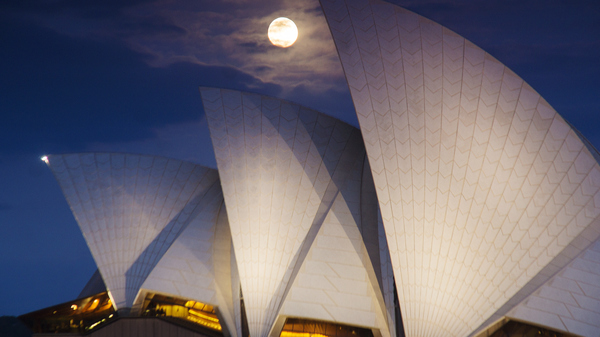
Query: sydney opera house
{"type": "Point", "coordinates": [464, 206]}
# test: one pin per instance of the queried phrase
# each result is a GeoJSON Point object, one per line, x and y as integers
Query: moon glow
{"type": "Point", "coordinates": [283, 32]}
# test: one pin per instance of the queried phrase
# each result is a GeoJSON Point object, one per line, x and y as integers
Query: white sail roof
{"type": "Point", "coordinates": [281, 167]}
{"type": "Point", "coordinates": [130, 209]}
{"type": "Point", "coordinates": [481, 184]}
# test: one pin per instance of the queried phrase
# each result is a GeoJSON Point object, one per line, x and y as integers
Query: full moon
{"type": "Point", "coordinates": [283, 32]}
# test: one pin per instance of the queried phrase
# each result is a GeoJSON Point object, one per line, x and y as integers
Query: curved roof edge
{"type": "Point", "coordinates": [130, 209]}
{"type": "Point", "coordinates": [474, 171]}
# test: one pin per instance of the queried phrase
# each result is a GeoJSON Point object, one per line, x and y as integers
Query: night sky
{"type": "Point", "coordinates": [123, 76]}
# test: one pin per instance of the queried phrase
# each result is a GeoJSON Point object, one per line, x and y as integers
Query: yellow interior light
{"type": "Point", "coordinates": [203, 315]}
{"type": "Point", "coordinates": [301, 334]}
{"type": "Point", "coordinates": [201, 321]}
{"type": "Point", "coordinates": [94, 305]}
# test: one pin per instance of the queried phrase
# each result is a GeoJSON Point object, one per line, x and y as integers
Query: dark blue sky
{"type": "Point", "coordinates": [124, 75]}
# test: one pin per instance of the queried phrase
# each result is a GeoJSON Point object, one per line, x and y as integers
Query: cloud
{"type": "Point", "coordinates": [235, 35]}
{"type": "Point", "coordinates": [60, 93]}
{"type": "Point", "coordinates": [173, 44]}
{"type": "Point", "coordinates": [154, 25]}
{"type": "Point", "coordinates": [231, 34]}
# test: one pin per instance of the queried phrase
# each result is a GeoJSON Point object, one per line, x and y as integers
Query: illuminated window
{"type": "Point", "coordinates": [78, 316]}
{"type": "Point", "coordinates": [514, 329]}
{"type": "Point", "coordinates": [296, 327]}
{"type": "Point", "coordinates": [194, 311]}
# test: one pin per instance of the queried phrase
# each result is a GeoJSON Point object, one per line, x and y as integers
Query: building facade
{"type": "Point", "coordinates": [464, 206]}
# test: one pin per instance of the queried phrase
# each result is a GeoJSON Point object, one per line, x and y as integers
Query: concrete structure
{"type": "Point", "coordinates": [485, 191]}
{"type": "Point", "coordinates": [463, 186]}
{"type": "Point", "coordinates": [297, 175]}
{"type": "Point", "coordinates": [291, 180]}
{"type": "Point", "coordinates": [132, 208]}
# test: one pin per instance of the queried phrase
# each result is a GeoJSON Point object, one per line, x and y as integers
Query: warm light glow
{"type": "Point", "coordinates": [201, 314]}
{"type": "Point", "coordinates": [300, 334]}
{"type": "Point", "coordinates": [111, 300]}
{"type": "Point", "coordinates": [283, 32]}
{"type": "Point", "coordinates": [74, 307]}
{"type": "Point", "coordinates": [94, 305]}
{"type": "Point", "coordinates": [206, 323]}
{"type": "Point", "coordinates": [45, 159]}
{"type": "Point", "coordinates": [94, 325]}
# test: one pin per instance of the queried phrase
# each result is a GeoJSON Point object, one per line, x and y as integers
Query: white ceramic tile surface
{"type": "Point", "coordinates": [280, 166]}
{"type": "Point", "coordinates": [130, 209]}
{"type": "Point", "coordinates": [337, 281]}
{"type": "Point", "coordinates": [480, 183]}
{"type": "Point", "coordinates": [569, 301]}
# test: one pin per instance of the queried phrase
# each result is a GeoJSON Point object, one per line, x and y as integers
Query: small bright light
{"type": "Point", "coordinates": [45, 159]}
{"type": "Point", "coordinates": [283, 32]}
{"type": "Point", "coordinates": [74, 307]}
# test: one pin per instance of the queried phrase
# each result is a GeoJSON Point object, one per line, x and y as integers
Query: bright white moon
{"type": "Point", "coordinates": [283, 32]}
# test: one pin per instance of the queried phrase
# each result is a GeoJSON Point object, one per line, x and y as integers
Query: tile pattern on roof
{"type": "Point", "coordinates": [333, 284]}
{"type": "Point", "coordinates": [337, 281]}
{"type": "Point", "coordinates": [369, 214]}
{"type": "Point", "coordinates": [130, 209]}
{"type": "Point", "coordinates": [580, 243]}
{"type": "Point", "coordinates": [387, 277]}
{"type": "Point", "coordinates": [198, 264]}
{"type": "Point", "coordinates": [280, 166]}
{"type": "Point", "coordinates": [570, 300]}
{"type": "Point", "coordinates": [480, 182]}
{"type": "Point", "coordinates": [373, 234]}
{"type": "Point", "coordinates": [187, 270]}
{"type": "Point", "coordinates": [227, 284]}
